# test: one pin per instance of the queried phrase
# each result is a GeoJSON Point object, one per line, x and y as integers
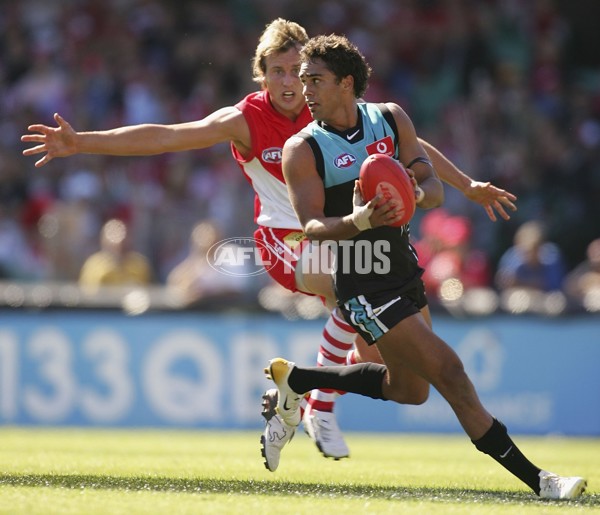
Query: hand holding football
{"type": "Point", "coordinates": [383, 174]}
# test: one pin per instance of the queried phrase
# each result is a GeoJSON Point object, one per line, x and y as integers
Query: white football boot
{"type": "Point", "coordinates": [323, 429]}
{"type": "Point", "coordinates": [276, 434]}
{"type": "Point", "coordinates": [553, 486]}
{"type": "Point", "coordinates": [288, 401]}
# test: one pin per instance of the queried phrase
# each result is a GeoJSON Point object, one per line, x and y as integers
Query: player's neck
{"type": "Point", "coordinates": [345, 118]}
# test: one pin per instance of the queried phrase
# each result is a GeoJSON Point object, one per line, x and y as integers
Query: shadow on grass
{"type": "Point", "coordinates": [251, 487]}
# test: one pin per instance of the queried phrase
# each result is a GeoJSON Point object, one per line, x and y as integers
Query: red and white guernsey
{"type": "Point", "coordinates": [269, 130]}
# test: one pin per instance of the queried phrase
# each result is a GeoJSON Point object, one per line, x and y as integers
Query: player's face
{"type": "Point", "coordinates": [283, 84]}
{"type": "Point", "coordinates": [321, 90]}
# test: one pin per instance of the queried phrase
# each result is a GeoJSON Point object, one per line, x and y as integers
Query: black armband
{"type": "Point", "coordinates": [419, 159]}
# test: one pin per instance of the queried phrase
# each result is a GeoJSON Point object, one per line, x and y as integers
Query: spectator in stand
{"type": "Point", "coordinates": [115, 264]}
{"type": "Point", "coordinates": [532, 263]}
{"type": "Point", "coordinates": [582, 284]}
{"type": "Point", "coordinates": [196, 282]}
{"type": "Point", "coordinates": [452, 265]}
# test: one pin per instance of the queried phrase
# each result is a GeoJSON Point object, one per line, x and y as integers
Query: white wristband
{"type": "Point", "coordinates": [420, 194]}
{"type": "Point", "coordinates": [360, 217]}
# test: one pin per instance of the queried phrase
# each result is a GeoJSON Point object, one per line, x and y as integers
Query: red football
{"type": "Point", "coordinates": [383, 174]}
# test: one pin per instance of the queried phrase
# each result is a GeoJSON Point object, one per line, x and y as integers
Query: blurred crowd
{"type": "Point", "coordinates": [507, 89]}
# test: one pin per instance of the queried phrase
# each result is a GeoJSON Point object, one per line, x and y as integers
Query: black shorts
{"type": "Point", "coordinates": [374, 315]}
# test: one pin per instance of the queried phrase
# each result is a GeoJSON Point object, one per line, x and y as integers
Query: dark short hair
{"type": "Point", "coordinates": [341, 57]}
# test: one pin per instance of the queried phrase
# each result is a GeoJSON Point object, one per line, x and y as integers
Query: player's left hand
{"type": "Point", "coordinates": [362, 211]}
{"type": "Point", "coordinates": [492, 199]}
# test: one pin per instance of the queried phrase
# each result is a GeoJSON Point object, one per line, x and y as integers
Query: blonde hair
{"type": "Point", "coordinates": [279, 36]}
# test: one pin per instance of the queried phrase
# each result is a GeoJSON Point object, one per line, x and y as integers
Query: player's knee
{"type": "Point", "coordinates": [419, 397]}
{"type": "Point", "coordinates": [416, 395]}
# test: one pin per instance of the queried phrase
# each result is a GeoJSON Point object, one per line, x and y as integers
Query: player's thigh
{"type": "Point", "coordinates": [412, 344]}
{"type": "Point", "coordinates": [405, 385]}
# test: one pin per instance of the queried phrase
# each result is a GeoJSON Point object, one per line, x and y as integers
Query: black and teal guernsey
{"type": "Point", "coordinates": [377, 261]}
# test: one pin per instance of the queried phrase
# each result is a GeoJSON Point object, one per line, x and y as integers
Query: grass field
{"type": "Point", "coordinates": [82, 471]}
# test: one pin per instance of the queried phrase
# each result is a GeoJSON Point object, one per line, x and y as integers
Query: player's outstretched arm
{"type": "Point", "coordinates": [226, 124]}
{"type": "Point", "coordinates": [493, 199]}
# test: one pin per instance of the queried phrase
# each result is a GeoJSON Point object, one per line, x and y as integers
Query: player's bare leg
{"type": "Point", "coordinates": [412, 343]}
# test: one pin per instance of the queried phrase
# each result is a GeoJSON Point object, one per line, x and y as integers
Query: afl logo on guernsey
{"type": "Point", "coordinates": [344, 161]}
{"type": "Point", "coordinates": [272, 155]}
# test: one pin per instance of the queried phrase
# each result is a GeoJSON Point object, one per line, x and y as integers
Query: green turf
{"type": "Point", "coordinates": [82, 471]}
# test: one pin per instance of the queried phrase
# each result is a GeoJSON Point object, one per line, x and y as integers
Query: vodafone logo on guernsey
{"type": "Point", "coordinates": [382, 146]}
